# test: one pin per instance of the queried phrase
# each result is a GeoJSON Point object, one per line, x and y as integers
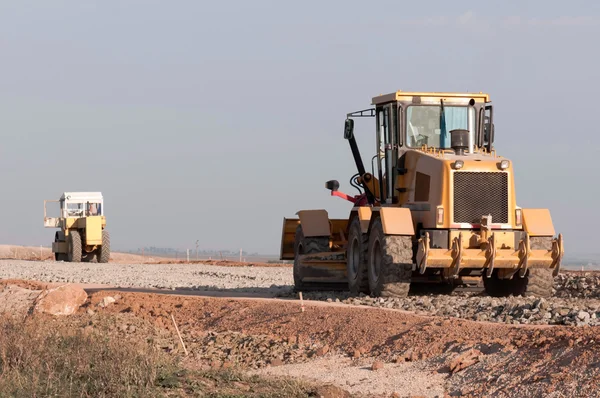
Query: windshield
{"type": "Point", "coordinates": [83, 209]}
{"type": "Point", "coordinates": [74, 209]}
{"type": "Point", "coordinates": [426, 126]}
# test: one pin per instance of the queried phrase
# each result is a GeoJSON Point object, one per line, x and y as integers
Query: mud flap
{"type": "Point", "coordinates": [396, 221]}
{"type": "Point", "coordinates": [314, 223]}
{"type": "Point", "coordinates": [538, 222]}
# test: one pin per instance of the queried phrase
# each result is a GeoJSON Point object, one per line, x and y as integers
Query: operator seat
{"type": "Point", "coordinates": [414, 132]}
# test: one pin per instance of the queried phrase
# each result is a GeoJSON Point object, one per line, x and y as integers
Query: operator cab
{"type": "Point", "coordinates": [75, 205]}
{"type": "Point", "coordinates": [81, 204]}
{"type": "Point", "coordinates": [426, 120]}
{"type": "Point", "coordinates": [459, 123]}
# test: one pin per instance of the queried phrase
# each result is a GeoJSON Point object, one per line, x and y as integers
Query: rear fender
{"type": "Point", "coordinates": [395, 220]}
{"type": "Point", "coordinates": [313, 222]}
{"type": "Point", "coordinates": [364, 215]}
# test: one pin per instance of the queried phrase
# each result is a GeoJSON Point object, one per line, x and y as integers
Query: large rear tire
{"type": "Point", "coordinates": [104, 255]}
{"type": "Point", "coordinates": [74, 246]}
{"type": "Point", "coordinates": [356, 259]}
{"type": "Point", "coordinates": [60, 256]}
{"type": "Point", "coordinates": [389, 262]}
{"type": "Point", "coordinates": [304, 245]}
{"type": "Point", "coordinates": [56, 255]}
{"type": "Point", "coordinates": [537, 282]}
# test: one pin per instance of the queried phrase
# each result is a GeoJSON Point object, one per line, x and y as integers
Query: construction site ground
{"type": "Point", "coordinates": [247, 317]}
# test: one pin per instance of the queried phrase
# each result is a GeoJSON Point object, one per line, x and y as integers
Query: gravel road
{"type": "Point", "coordinates": [268, 281]}
{"type": "Point", "coordinates": [576, 298]}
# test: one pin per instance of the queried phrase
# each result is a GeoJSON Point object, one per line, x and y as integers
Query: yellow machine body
{"type": "Point", "coordinates": [82, 234]}
{"type": "Point", "coordinates": [459, 207]}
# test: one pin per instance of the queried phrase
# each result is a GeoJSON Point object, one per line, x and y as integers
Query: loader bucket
{"type": "Point", "coordinates": [491, 257]}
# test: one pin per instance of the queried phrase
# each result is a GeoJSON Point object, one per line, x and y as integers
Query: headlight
{"type": "Point", "coordinates": [518, 217]}
{"type": "Point", "coordinates": [458, 164]}
{"type": "Point", "coordinates": [504, 164]}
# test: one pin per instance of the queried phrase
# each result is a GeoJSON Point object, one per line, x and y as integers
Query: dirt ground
{"type": "Point", "coordinates": [413, 355]}
{"type": "Point", "coordinates": [564, 361]}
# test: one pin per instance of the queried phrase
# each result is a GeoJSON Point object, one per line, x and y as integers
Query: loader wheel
{"type": "Point", "coordinates": [104, 254]}
{"type": "Point", "coordinates": [358, 278]}
{"type": "Point", "coordinates": [538, 281]}
{"type": "Point", "coordinates": [57, 256]}
{"type": "Point", "coordinates": [60, 256]}
{"type": "Point", "coordinates": [74, 247]}
{"type": "Point", "coordinates": [304, 245]}
{"type": "Point", "coordinates": [389, 262]}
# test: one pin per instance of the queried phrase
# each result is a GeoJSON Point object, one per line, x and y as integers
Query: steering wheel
{"type": "Point", "coordinates": [422, 140]}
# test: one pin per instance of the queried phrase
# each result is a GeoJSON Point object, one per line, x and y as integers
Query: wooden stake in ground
{"type": "Point", "coordinates": [301, 302]}
{"type": "Point", "coordinates": [179, 334]}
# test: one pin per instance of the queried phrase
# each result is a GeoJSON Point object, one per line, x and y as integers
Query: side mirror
{"type": "Point", "coordinates": [332, 185]}
{"type": "Point", "coordinates": [349, 129]}
{"type": "Point", "coordinates": [488, 134]}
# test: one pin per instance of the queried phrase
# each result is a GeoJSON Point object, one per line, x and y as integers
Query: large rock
{"type": "Point", "coordinates": [331, 391]}
{"type": "Point", "coordinates": [465, 360]}
{"type": "Point", "coordinates": [106, 301]}
{"type": "Point", "coordinates": [63, 300]}
{"type": "Point", "coordinates": [377, 365]}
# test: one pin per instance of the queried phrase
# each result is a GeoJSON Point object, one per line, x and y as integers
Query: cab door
{"type": "Point", "coordinates": [387, 154]}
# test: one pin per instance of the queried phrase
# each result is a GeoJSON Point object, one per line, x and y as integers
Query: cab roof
{"type": "Point", "coordinates": [432, 96]}
{"type": "Point", "coordinates": [82, 196]}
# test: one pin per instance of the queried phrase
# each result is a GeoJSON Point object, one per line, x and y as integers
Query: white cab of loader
{"type": "Point", "coordinates": [75, 204]}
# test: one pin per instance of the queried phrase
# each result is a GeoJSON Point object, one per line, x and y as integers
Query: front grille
{"type": "Point", "coordinates": [479, 194]}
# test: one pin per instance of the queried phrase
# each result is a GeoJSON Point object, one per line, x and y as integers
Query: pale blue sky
{"type": "Point", "coordinates": [214, 120]}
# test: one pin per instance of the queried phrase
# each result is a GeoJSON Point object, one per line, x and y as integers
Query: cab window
{"type": "Point", "coordinates": [428, 125]}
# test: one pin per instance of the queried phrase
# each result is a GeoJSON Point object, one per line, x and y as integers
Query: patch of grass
{"type": "Point", "coordinates": [43, 357]}
{"type": "Point", "coordinates": [226, 383]}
